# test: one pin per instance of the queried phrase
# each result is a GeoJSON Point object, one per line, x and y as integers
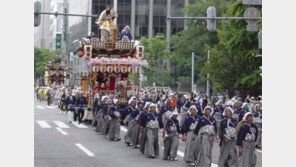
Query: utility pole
{"type": "Point", "coordinates": [192, 73]}
{"type": "Point", "coordinates": [168, 25]}
{"type": "Point", "coordinates": [115, 8]}
{"type": "Point", "coordinates": [208, 76]}
{"type": "Point", "coordinates": [150, 19]}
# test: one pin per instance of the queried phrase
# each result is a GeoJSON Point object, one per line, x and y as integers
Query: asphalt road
{"type": "Point", "coordinates": [61, 144]}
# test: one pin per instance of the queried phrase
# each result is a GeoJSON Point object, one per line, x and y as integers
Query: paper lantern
{"type": "Point", "coordinates": [116, 69]}
{"type": "Point", "coordinates": [103, 69]}
{"type": "Point", "coordinates": [110, 69]}
{"type": "Point", "coordinates": [140, 52]}
{"type": "Point", "coordinates": [138, 69]}
{"type": "Point", "coordinates": [95, 69]}
{"type": "Point", "coordinates": [87, 51]}
{"type": "Point", "coordinates": [123, 69]}
{"type": "Point", "coordinates": [130, 69]}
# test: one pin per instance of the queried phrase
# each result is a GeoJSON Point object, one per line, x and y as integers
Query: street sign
{"type": "Point", "coordinates": [260, 39]}
{"type": "Point", "coordinates": [252, 12]}
{"type": "Point", "coordinates": [58, 41]}
{"type": "Point", "coordinates": [252, 2]}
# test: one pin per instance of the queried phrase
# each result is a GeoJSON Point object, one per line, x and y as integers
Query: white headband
{"type": "Point", "coordinates": [246, 115]}
{"type": "Point", "coordinates": [225, 111]}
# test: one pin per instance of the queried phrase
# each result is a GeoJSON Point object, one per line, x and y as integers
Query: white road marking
{"type": "Point", "coordinates": [84, 149]}
{"type": "Point", "coordinates": [260, 151]}
{"type": "Point", "coordinates": [40, 107]}
{"type": "Point", "coordinates": [63, 132]}
{"type": "Point", "coordinates": [43, 124]}
{"type": "Point", "coordinates": [50, 107]}
{"type": "Point", "coordinates": [79, 125]}
{"type": "Point", "coordinates": [61, 124]}
{"type": "Point", "coordinates": [123, 129]}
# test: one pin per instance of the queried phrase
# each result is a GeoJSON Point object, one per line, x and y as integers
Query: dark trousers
{"type": "Point", "coordinates": [75, 115]}
{"type": "Point", "coordinates": [80, 114]}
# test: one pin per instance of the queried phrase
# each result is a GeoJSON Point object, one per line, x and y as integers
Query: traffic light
{"type": "Point", "coordinates": [211, 23]}
{"type": "Point", "coordinates": [37, 17]}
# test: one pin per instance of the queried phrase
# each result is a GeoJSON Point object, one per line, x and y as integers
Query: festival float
{"type": "Point", "coordinates": [109, 61]}
{"type": "Point", "coordinates": [56, 73]}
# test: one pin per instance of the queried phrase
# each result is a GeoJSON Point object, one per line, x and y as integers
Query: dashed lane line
{"type": "Point", "coordinates": [63, 132]}
{"type": "Point", "coordinates": [61, 124]}
{"type": "Point", "coordinates": [79, 125]}
{"type": "Point", "coordinates": [40, 107]}
{"type": "Point", "coordinates": [43, 124]}
{"type": "Point", "coordinates": [81, 147]}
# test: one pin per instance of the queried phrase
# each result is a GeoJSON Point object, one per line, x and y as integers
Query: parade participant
{"type": "Point", "coordinates": [70, 103]}
{"type": "Point", "coordinates": [114, 123]}
{"type": "Point", "coordinates": [171, 140]}
{"type": "Point", "coordinates": [243, 111]}
{"type": "Point", "coordinates": [246, 132]}
{"type": "Point", "coordinates": [100, 115]}
{"type": "Point", "coordinates": [236, 110]}
{"type": "Point", "coordinates": [143, 129]}
{"type": "Point", "coordinates": [197, 106]}
{"type": "Point", "coordinates": [218, 110]}
{"type": "Point", "coordinates": [257, 113]}
{"type": "Point", "coordinates": [185, 106]}
{"type": "Point", "coordinates": [166, 110]}
{"type": "Point", "coordinates": [146, 99]}
{"type": "Point", "coordinates": [62, 105]}
{"type": "Point", "coordinates": [206, 128]}
{"type": "Point", "coordinates": [153, 122]}
{"type": "Point", "coordinates": [80, 104]}
{"type": "Point", "coordinates": [48, 95]}
{"type": "Point", "coordinates": [228, 155]}
{"type": "Point", "coordinates": [105, 109]}
{"type": "Point", "coordinates": [129, 111]}
{"type": "Point", "coordinates": [95, 110]}
{"type": "Point", "coordinates": [134, 125]}
{"type": "Point", "coordinates": [187, 131]}
{"type": "Point", "coordinates": [126, 36]}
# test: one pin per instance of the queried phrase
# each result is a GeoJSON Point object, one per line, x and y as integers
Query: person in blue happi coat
{"type": "Point", "coordinates": [243, 111]}
{"type": "Point", "coordinates": [114, 122]}
{"type": "Point", "coordinates": [171, 139]}
{"type": "Point", "coordinates": [191, 146]}
{"type": "Point", "coordinates": [246, 132]}
{"type": "Point", "coordinates": [153, 123]}
{"type": "Point", "coordinates": [206, 128]}
{"type": "Point", "coordinates": [228, 155]}
{"type": "Point", "coordinates": [80, 104]}
{"type": "Point", "coordinates": [143, 129]}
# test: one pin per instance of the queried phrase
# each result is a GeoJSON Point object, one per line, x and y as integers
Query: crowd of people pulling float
{"type": "Point", "coordinates": [107, 99]}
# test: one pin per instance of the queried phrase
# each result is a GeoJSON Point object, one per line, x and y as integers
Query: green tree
{"type": "Point", "coordinates": [41, 57]}
{"type": "Point", "coordinates": [232, 66]}
{"type": "Point", "coordinates": [194, 39]}
{"type": "Point", "coordinates": [156, 47]}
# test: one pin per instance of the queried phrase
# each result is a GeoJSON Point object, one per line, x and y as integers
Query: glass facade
{"type": "Point", "coordinates": [77, 26]}
{"type": "Point", "coordinates": [141, 15]}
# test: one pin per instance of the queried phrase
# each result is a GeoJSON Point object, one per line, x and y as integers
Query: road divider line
{"type": "Point", "coordinates": [79, 125]}
{"type": "Point", "coordinates": [43, 124]}
{"type": "Point", "coordinates": [40, 107]}
{"type": "Point", "coordinates": [61, 124]}
{"type": "Point", "coordinates": [84, 149]}
{"type": "Point", "coordinates": [63, 132]}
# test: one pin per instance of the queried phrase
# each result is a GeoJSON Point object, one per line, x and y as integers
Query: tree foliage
{"type": "Point", "coordinates": [232, 66]}
{"type": "Point", "coordinates": [41, 57]}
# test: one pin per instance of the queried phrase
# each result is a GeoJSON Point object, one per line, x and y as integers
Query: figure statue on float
{"type": "Point", "coordinates": [107, 26]}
